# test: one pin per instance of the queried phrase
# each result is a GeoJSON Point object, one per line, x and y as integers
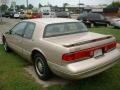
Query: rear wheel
{"type": "Point", "coordinates": [41, 67]}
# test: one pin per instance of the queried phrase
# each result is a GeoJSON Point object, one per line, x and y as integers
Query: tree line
{"type": "Point", "coordinates": [4, 7]}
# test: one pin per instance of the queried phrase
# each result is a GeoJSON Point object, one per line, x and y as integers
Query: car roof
{"type": "Point", "coordinates": [47, 21]}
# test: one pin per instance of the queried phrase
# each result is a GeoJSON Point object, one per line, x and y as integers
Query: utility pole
{"type": "Point", "coordinates": [27, 4]}
{"type": "Point", "coordinates": [79, 4]}
{"type": "Point", "coordinates": [13, 3]}
{"type": "Point", "coordinates": [0, 11]}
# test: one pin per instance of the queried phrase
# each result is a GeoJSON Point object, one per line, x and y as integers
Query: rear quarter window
{"type": "Point", "coordinates": [60, 29]}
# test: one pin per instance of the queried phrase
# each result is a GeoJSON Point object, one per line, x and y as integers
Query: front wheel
{"type": "Point", "coordinates": [41, 67]}
{"type": "Point", "coordinates": [6, 47]}
{"type": "Point", "coordinates": [92, 25]}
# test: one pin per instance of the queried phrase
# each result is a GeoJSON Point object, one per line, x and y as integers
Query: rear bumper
{"type": "Point", "coordinates": [87, 67]}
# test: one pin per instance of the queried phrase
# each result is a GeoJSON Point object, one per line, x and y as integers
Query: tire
{"type": "Point", "coordinates": [107, 25]}
{"type": "Point", "coordinates": [6, 47]}
{"type": "Point", "coordinates": [41, 67]}
{"type": "Point", "coordinates": [91, 25]}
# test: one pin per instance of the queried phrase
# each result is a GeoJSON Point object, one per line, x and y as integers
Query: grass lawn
{"type": "Point", "coordinates": [110, 31]}
{"type": "Point", "coordinates": [12, 73]}
{"type": "Point", "coordinates": [14, 77]}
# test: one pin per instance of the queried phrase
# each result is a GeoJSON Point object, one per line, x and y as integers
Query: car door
{"type": "Point", "coordinates": [28, 42]}
{"type": "Point", "coordinates": [15, 37]}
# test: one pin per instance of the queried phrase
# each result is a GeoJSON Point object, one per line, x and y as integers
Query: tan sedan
{"type": "Point", "coordinates": [62, 46]}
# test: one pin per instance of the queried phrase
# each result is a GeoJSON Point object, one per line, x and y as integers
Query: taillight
{"type": "Point", "coordinates": [88, 20]}
{"type": "Point", "coordinates": [110, 46]}
{"type": "Point", "coordinates": [88, 53]}
{"type": "Point", "coordinates": [77, 55]}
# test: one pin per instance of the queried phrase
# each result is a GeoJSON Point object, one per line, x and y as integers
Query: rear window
{"type": "Point", "coordinates": [62, 14]}
{"type": "Point", "coordinates": [82, 16]}
{"type": "Point", "coordinates": [60, 29]}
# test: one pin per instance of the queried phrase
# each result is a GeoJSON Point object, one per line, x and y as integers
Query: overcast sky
{"type": "Point", "coordinates": [60, 2]}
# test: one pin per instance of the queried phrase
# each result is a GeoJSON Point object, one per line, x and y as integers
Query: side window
{"type": "Point", "coordinates": [19, 28]}
{"type": "Point", "coordinates": [29, 30]}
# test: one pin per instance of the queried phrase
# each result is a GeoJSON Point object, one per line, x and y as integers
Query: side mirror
{"type": "Point", "coordinates": [10, 31]}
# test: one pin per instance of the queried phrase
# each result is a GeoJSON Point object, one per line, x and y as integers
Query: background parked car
{"type": "Point", "coordinates": [36, 15]}
{"type": "Point", "coordinates": [115, 22]}
{"type": "Point", "coordinates": [48, 14]}
{"type": "Point", "coordinates": [17, 15]}
{"type": "Point", "coordinates": [11, 14]}
{"type": "Point", "coordinates": [3, 14]}
{"type": "Point", "coordinates": [22, 15]}
{"type": "Point", "coordinates": [28, 15]}
{"type": "Point", "coordinates": [7, 14]}
{"type": "Point", "coordinates": [93, 19]}
{"type": "Point", "coordinates": [63, 15]}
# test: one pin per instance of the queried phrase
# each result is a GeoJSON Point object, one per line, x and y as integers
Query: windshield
{"type": "Point", "coordinates": [96, 16]}
{"type": "Point", "coordinates": [60, 29]}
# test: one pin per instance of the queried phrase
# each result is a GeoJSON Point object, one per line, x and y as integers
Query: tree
{"type": "Point", "coordinates": [80, 4]}
{"type": "Point", "coordinates": [56, 6]}
{"type": "Point", "coordinates": [40, 5]}
{"type": "Point", "coordinates": [22, 7]}
{"type": "Point", "coordinates": [50, 5]}
{"type": "Point", "coordinates": [11, 7]}
{"type": "Point", "coordinates": [17, 7]}
{"type": "Point", "coordinates": [114, 5]}
{"type": "Point", "coordinates": [3, 8]}
{"type": "Point", "coordinates": [30, 6]}
{"type": "Point", "coordinates": [64, 5]}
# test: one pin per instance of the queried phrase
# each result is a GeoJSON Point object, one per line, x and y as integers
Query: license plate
{"type": "Point", "coordinates": [98, 53]}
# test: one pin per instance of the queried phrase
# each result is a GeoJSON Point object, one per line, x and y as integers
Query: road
{"type": "Point", "coordinates": [9, 23]}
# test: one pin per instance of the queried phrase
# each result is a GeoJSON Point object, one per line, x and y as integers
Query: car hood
{"type": "Point", "coordinates": [79, 38]}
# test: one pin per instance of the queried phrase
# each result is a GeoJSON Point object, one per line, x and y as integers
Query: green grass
{"type": "Point", "coordinates": [110, 31]}
{"type": "Point", "coordinates": [14, 77]}
{"type": "Point", "coordinates": [12, 73]}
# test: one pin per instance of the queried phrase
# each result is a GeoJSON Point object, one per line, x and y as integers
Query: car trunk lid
{"type": "Point", "coordinates": [78, 39]}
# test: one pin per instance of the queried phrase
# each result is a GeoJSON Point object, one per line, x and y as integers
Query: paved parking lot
{"type": "Point", "coordinates": [9, 23]}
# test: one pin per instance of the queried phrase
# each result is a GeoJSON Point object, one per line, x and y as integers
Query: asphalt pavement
{"type": "Point", "coordinates": [8, 24]}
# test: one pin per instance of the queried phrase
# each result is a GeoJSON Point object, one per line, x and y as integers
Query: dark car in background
{"type": "Point", "coordinates": [11, 14]}
{"type": "Point", "coordinates": [93, 19]}
{"type": "Point", "coordinates": [7, 14]}
{"type": "Point", "coordinates": [2, 14]}
{"type": "Point", "coordinates": [63, 14]}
